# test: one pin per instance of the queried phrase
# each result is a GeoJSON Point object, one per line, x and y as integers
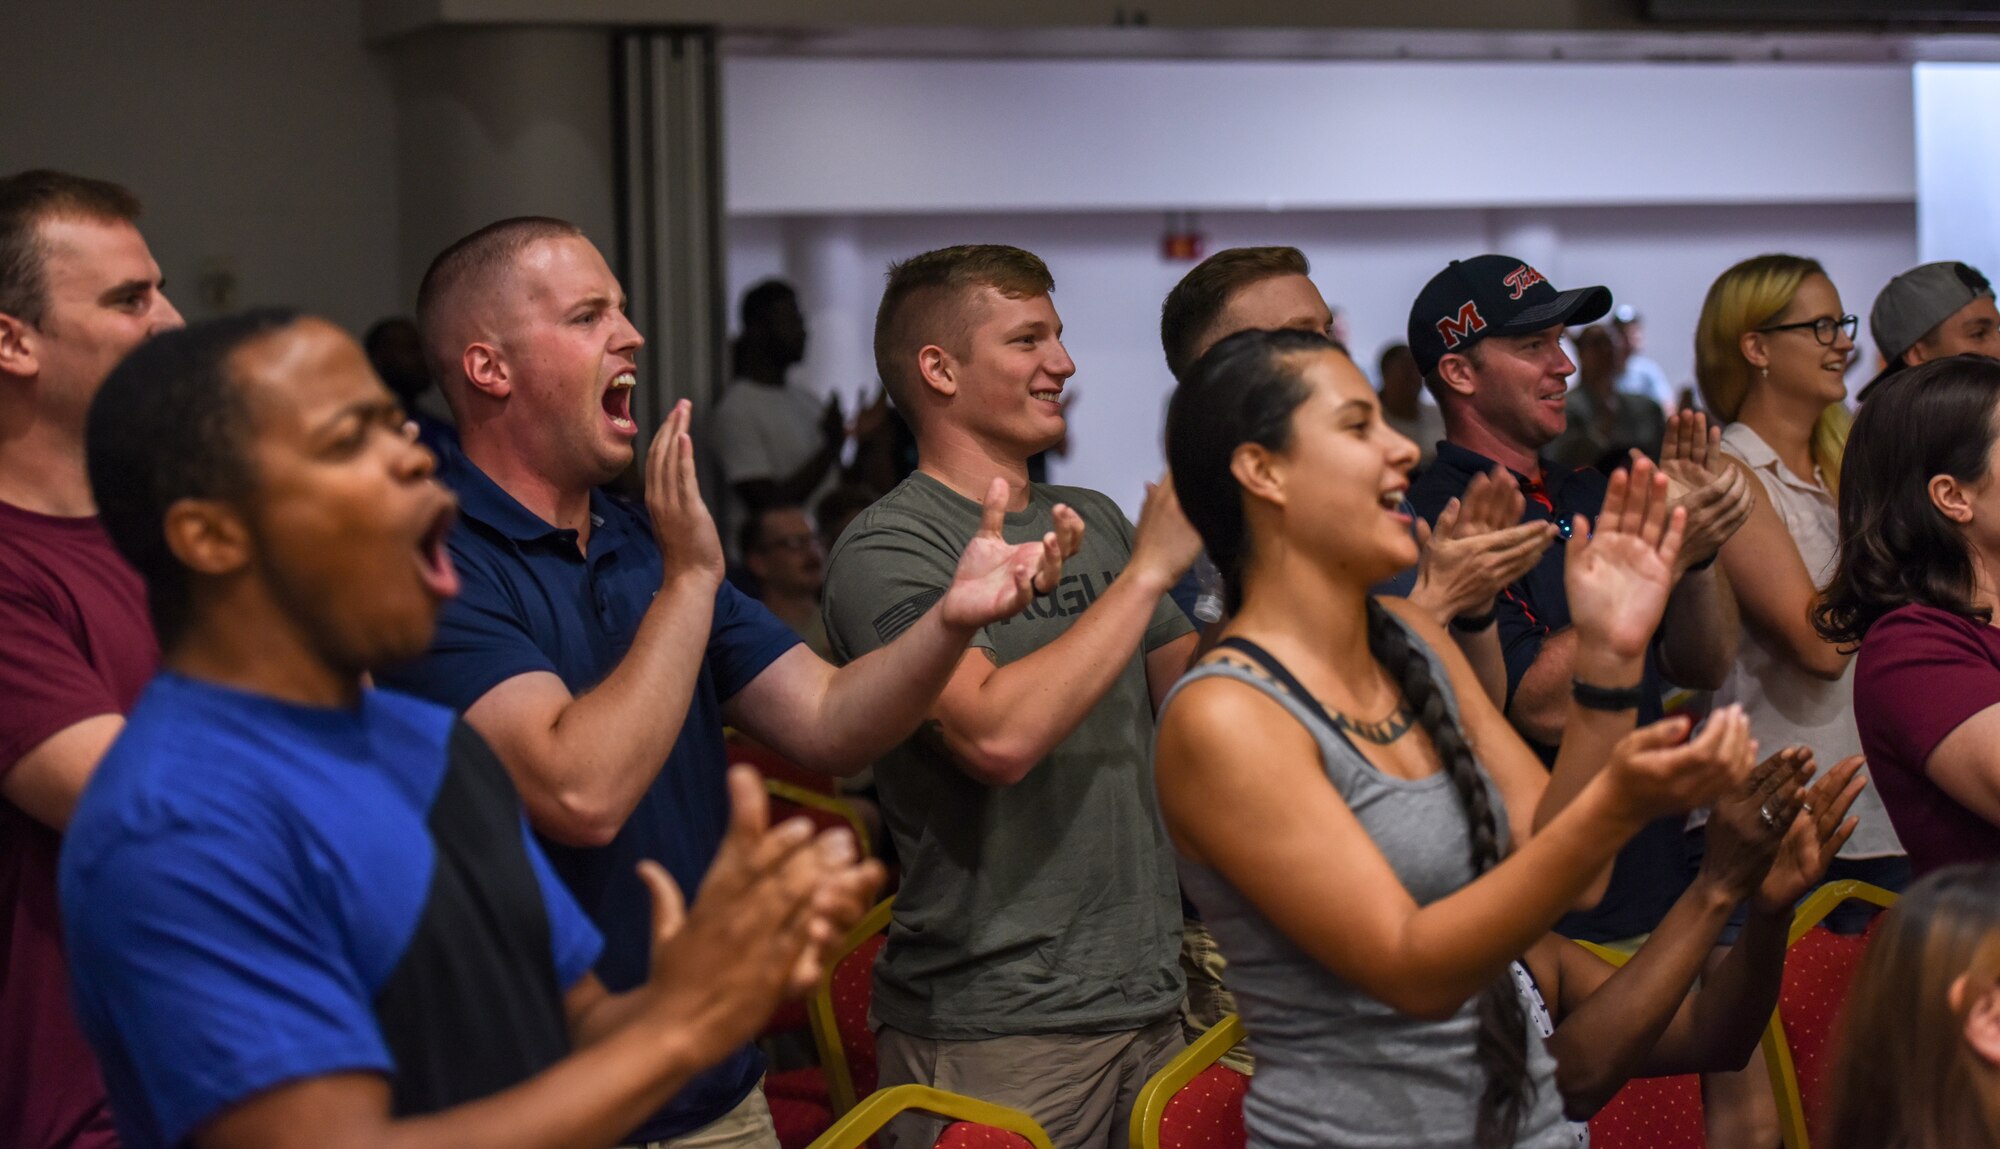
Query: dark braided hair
{"type": "Point", "coordinates": [1246, 390]}
{"type": "Point", "coordinates": [1501, 1048]}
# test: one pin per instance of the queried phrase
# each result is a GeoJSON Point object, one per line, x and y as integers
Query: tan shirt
{"type": "Point", "coordinates": [1786, 705]}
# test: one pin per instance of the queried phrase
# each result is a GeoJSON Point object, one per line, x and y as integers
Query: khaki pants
{"type": "Point", "coordinates": [1079, 1087]}
{"type": "Point", "coordinates": [748, 1126]}
{"type": "Point", "coordinates": [1207, 1001]}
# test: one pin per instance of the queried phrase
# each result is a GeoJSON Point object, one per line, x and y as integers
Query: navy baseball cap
{"type": "Point", "coordinates": [1493, 295]}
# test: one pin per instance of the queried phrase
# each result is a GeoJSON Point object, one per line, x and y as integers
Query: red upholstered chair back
{"type": "Point", "coordinates": [771, 764]}
{"type": "Point", "coordinates": [972, 1135]}
{"type": "Point", "coordinates": [853, 987]}
{"type": "Point", "coordinates": [1207, 1113]}
{"type": "Point", "coordinates": [1652, 1113]}
{"type": "Point", "coordinates": [1819, 970]}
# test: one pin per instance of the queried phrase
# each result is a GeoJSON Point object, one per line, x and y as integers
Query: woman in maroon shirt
{"type": "Point", "coordinates": [1915, 589]}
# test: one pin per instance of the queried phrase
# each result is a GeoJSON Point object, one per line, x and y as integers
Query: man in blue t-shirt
{"type": "Point", "coordinates": [1486, 332]}
{"type": "Point", "coordinates": [595, 643]}
{"type": "Point", "coordinates": [303, 912]}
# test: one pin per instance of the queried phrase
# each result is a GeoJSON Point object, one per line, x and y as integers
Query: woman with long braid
{"type": "Point", "coordinates": [1371, 842]}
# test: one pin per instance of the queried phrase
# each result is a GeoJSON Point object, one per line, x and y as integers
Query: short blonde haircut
{"type": "Point", "coordinates": [1743, 299]}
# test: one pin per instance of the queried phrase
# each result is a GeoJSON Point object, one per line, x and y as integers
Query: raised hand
{"type": "Point", "coordinates": [1659, 770]}
{"type": "Point", "coordinates": [996, 579]}
{"type": "Point", "coordinates": [1165, 544]}
{"type": "Point", "coordinates": [1478, 547]}
{"type": "Point", "coordinates": [772, 904]}
{"type": "Point", "coordinates": [1618, 578]}
{"type": "Point", "coordinates": [832, 424]}
{"type": "Point", "coordinates": [1819, 828]}
{"type": "Point", "coordinates": [682, 524]}
{"type": "Point", "coordinates": [1717, 496]}
{"type": "Point", "coordinates": [1747, 828]}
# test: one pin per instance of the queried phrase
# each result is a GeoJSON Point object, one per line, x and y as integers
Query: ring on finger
{"type": "Point", "coordinates": [1770, 819]}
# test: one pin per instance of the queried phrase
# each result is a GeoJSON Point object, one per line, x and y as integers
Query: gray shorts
{"type": "Point", "coordinates": [1080, 1087]}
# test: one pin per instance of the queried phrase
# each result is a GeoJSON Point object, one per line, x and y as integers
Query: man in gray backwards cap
{"type": "Point", "coordinates": [1930, 312]}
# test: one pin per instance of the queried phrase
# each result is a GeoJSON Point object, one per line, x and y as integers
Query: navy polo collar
{"type": "Point", "coordinates": [487, 502]}
{"type": "Point", "coordinates": [1464, 463]}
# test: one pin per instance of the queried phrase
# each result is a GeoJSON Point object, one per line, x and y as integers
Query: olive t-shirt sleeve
{"type": "Point", "coordinates": [1169, 620]}
{"type": "Point", "coordinates": [883, 581]}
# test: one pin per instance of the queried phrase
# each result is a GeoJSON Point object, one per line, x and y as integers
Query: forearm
{"type": "Point", "coordinates": [593, 1097]}
{"type": "Point", "coordinates": [1024, 709]}
{"type": "Point", "coordinates": [875, 702]}
{"type": "Point", "coordinates": [1482, 649]}
{"type": "Point", "coordinates": [1737, 998]}
{"type": "Point", "coordinates": [1587, 735]}
{"type": "Point", "coordinates": [1610, 1036]}
{"type": "Point", "coordinates": [1452, 948]}
{"type": "Point", "coordinates": [1541, 699]}
{"type": "Point", "coordinates": [1699, 634]}
{"type": "Point", "coordinates": [607, 744]}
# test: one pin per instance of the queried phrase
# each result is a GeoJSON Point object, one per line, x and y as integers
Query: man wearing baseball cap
{"type": "Point", "coordinates": [1486, 332]}
{"type": "Point", "coordinates": [1930, 312]}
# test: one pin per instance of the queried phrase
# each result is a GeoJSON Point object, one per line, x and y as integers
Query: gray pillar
{"type": "Point", "coordinates": [671, 217]}
{"type": "Point", "coordinates": [497, 122]}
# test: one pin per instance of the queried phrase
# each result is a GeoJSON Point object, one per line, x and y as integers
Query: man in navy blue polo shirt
{"type": "Point", "coordinates": [304, 913]}
{"type": "Point", "coordinates": [1487, 334]}
{"type": "Point", "coordinates": [595, 643]}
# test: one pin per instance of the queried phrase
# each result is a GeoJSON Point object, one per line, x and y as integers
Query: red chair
{"type": "Point", "coordinates": [975, 1124]}
{"type": "Point", "coordinates": [805, 1102]}
{"type": "Point", "coordinates": [1194, 1102]}
{"type": "Point", "coordinates": [1649, 1112]}
{"type": "Point", "coordinates": [1652, 1113]}
{"type": "Point", "coordinates": [796, 791]}
{"type": "Point", "coordinates": [1819, 970]}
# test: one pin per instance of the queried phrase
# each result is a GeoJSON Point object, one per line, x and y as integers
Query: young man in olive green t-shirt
{"type": "Point", "coordinates": [1032, 959]}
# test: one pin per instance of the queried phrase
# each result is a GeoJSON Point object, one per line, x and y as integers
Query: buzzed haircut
{"type": "Point", "coordinates": [469, 266]}
{"type": "Point", "coordinates": [170, 423]}
{"type": "Point", "coordinates": [1197, 302]}
{"type": "Point", "coordinates": [761, 302]}
{"type": "Point", "coordinates": [28, 198]}
{"type": "Point", "coordinates": [924, 304]}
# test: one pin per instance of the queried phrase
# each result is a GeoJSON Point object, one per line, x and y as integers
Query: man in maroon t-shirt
{"type": "Point", "coordinates": [78, 289]}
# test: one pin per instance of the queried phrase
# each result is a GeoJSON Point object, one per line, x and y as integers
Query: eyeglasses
{"type": "Point", "coordinates": [1822, 328]}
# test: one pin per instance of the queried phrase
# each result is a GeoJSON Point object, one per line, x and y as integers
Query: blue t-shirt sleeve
{"type": "Point", "coordinates": [207, 953]}
{"type": "Point", "coordinates": [744, 639]}
{"type": "Point", "coordinates": [480, 642]}
{"type": "Point", "coordinates": [575, 941]}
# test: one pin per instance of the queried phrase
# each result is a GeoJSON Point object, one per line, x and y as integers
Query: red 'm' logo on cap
{"type": "Point", "coordinates": [1521, 279]}
{"type": "Point", "coordinates": [1454, 328]}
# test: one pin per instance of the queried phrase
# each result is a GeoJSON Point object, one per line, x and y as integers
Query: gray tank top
{"type": "Point", "coordinates": [1335, 1067]}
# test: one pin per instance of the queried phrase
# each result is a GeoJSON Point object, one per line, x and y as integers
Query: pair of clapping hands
{"type": "Point", "coordinates": [1480, 544]}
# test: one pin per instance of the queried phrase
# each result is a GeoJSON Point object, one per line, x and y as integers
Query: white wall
{"type": "Point", "coordinates": [1958, 163]}
{"type": "Point", "coordinates": [260, 136]}
{"type": "Point", "coordinates": [1110, 280]}
{"type": "Point", "coordinates": [1014, 135]}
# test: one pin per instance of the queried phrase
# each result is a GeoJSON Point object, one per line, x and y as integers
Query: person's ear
{"type": "Point", "coordinates": [1458, 374]}
{"type": "Point", "coordinates": [1754, 349]}
{"type": "Point", "coordinates": [1951, 498]}
{"type": "Point", "coordinates": [1982, 1017]}
{"type": "Point", "coordinates": [1259, 472]}
{"type": "Point", "coordinates": [1917, 354]}
{"type": "Point", "coordinates": [19, 355]}
{"type": "Point", "coordinates": [938, 369]}
{"type": "Point", "coordinates": [486, 369]}
{"type": "Point", "coordinates": [208, 536]}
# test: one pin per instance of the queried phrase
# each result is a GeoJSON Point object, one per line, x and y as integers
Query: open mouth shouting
{"type": "Point", "coordinates": [617, 401]}
{"type": "Point", "coordinates": [433, 557]}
